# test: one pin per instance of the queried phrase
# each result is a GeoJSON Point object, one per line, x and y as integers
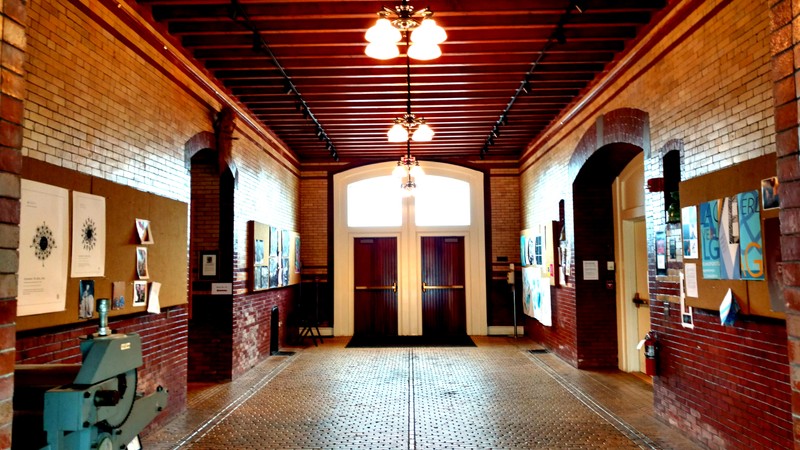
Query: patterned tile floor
{"type": "Point", "coordinates": [495, 396]}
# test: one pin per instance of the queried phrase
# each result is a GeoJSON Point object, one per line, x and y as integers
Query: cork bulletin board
{"type": "Point", "coordinates": [167, 255]}
{"type": "Point", "coordinates": [753, 296]}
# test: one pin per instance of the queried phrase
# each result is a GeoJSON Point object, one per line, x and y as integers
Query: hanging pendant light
{"type": "Point", "coordinates": [426, 34]}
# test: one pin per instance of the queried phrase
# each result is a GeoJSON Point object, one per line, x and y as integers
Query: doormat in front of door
{"type": "Point", "coordinates": [410, 341]}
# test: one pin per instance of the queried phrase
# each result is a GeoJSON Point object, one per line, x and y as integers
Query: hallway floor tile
{"type": "Point", "coordinates": [495, 396]}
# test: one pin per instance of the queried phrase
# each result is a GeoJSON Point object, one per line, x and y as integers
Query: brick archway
{"type": "Point", "coordinates": [601, 155]}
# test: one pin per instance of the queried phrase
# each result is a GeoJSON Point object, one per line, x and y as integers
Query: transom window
{"type": "Point", "coordinates": [442, 201]}
{"type": "Point", "coordinates": [438, 201]}
{"type": "Point", "coordinates": [374, 202]}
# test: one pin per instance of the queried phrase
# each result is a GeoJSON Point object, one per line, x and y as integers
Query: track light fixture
{"type": "Point", "coordinates": [238, 14]}
{"type": "Point", "coordinates": [392, 25]}
{"type": "Point", "coordinates": [525, 87]}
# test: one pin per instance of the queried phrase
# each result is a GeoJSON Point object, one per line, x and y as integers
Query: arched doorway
{"type": "Point", "coordinates": [595, 254]}
{"type": "Point", "coordinates": [404, 225]}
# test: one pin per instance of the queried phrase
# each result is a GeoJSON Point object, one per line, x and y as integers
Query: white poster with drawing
{"type": "Point", "coordinates": [43, 248]}
{"type": "Point", "coordinates": [88, 235]}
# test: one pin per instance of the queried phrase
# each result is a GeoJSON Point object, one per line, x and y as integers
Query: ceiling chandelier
{"type": "Point", "coordinates": [392, 26]}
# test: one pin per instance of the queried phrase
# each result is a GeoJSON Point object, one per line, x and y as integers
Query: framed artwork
{"type": "Point", "coordinates": [208, 265]}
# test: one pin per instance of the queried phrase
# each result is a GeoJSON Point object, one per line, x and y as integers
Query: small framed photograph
{"type": "Point", "coordinates": [141, 263]}
{"type": "Point", "coordinates": [139, 293]}
{"type": "Point", "coordinates": [208, 264]}
{"type": "Point", "coordinates": [144, 231]}
{"type": "Point", "coordinates": [86, 302]}
{"type": "Point", "coordinates": [770, 198]}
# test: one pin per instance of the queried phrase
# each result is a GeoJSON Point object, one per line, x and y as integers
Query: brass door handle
{"type": "Point", "coordinates": [393, 287]}
{"type": "Point", "coordinates": [426, 287]}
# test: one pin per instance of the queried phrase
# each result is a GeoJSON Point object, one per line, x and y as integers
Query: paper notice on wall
{"type": "Point", "coordinates": [691, 279]}
{"type": "Point", "coordinates": [153, 304]}
{"type": "Point", "coordinates": [43, 248]}
{"type": "Point", "coordinates": [88, 235]}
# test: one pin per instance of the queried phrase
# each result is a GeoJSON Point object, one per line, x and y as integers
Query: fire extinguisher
{"type": "Point", "coordinates": [650, 354]}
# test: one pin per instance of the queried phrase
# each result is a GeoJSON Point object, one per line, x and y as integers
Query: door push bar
{"type": "Point", "coordinates": [393, 287]}
{"type": "Point", "coordinates": [425, 287]}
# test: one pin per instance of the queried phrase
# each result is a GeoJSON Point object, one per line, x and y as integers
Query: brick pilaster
{"type": "Point", "coordinates": [12, 93]}
{"type": "Point", "coordinates": [785, 15]}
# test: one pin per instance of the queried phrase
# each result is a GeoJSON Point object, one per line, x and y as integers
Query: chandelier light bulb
{"type": "Point", "coordinates": [398, 133]}
{"type": "Point", "coordinates": [383, 32]}
{"type": "Point", "coordinates": [399, 170]}
{"type": "Point", "coordinates": [381, 50]}
{"type": "Point", "coordinates": [423, 133]}
{"type": "Point", "coordinates": [424, 52]}
{"type": "Point", "coordinates": [416, 171]}
{"type": "Point", "coordinates": [428, 33]}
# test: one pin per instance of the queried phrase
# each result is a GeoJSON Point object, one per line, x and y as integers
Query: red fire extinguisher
{"type": "Point", "coordinates": [650, 353]}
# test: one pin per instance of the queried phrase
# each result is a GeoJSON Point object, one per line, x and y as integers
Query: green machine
{"type": "Point", "coordinates": [97, 409]}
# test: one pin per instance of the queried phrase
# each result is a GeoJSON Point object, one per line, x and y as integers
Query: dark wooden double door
{"type": "Point", "coordinates": [443, 286]}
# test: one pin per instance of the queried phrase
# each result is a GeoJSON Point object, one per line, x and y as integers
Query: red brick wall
{"type": "Point", "coordinates": [163, 350]}
{"type": "Point", "coordinates": [503, 205]}
{"type": "Point", "coordinates": [110, 103]}
{"type": "Point", "coordinates": [784, 15]}
{"type": "Point", "coordinates": [12, 49]}
{"type": "Point", "coordinates": [704, 83]}
{"type": "Point", "coordinates": [268, 191]}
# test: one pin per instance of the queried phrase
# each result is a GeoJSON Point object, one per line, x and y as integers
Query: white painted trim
{"type": "Point", "coordinates": [506, 330]}
{"type": "Point", "coordinates": [409, 238]}
{"type": "Point", "coordinates": [624, 247]}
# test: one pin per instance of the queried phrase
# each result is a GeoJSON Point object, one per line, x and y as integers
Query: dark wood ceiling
{"type": "Point", "coordinates": [464, 95]}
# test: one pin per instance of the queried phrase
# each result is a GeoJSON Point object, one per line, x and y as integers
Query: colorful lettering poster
{"type": "Point", "coordinates": [729, 239]}
{"type": "Point", "coordinates": [750, 245]}
{"type": "Point", "coordinates": [709, 239]}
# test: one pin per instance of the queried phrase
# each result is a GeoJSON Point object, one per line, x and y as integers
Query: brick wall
{"type": "Point", "coordinates": [503, 205]}
{"type": "Point", "coordinates": [163, 351]}
{"type": "Point", "coordinates": [268, 191]}
{"type": "Point", "coordinates": [784, 15]}
{"type": "Point", "coordinates": [112, 103]}
{"type": "Point", "coordinates": [703, 82]}
{"type": "Point", "coordinates": [13, 17]}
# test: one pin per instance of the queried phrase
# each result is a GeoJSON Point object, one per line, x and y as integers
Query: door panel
{"type": "Point", "coordinates": [444, 309]}
{"type": "Point", "coordinates": [375, 297]}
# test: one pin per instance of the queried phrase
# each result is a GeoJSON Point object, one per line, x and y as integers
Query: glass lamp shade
{"type": "Point", "coordinates": [423, 133]}
{"type": "Point", "coordinates": [399, 171]}
{"type": "Point", "coordinates": [398, 133]}
{"type": "Point", "coordinates": [382, 50]}
{"type": "Point", "coordinates": [417, 172]}
{"type": "Point", "coordinates": [424, 52]}
{"type": "Point", "coordinates": [428, 33]}
{"type": "Point", "coordinates": [383, 32]}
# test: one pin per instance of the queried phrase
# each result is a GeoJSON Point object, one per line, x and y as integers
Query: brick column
{"type": "Point", "coordinates": [784, 14]}
{"type": "Point", "coordinates": [12, 93]}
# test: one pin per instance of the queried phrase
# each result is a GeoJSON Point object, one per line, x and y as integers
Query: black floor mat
{"type": "Point", "coordinates": [410, 341]}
